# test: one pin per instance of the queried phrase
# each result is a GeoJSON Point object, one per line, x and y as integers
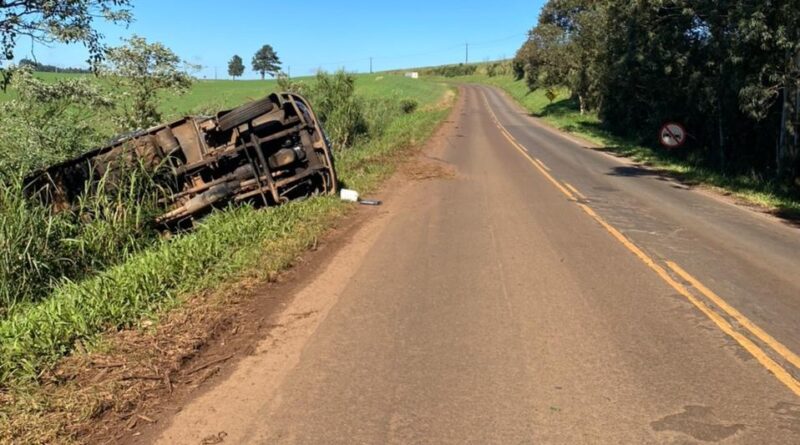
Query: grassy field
{"type": "Point", "coordinates": [227, 245]}
{"type": "Point", "coordinates": [214, 95]}
{"type": "Point", "coordinates": [563, 113]}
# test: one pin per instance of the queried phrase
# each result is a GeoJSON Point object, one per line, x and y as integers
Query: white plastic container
{"type": "Point", "coordinates": [348, 195]}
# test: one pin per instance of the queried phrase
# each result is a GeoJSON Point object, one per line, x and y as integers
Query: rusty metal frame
{"type": "Point", "coordinates": [230, 165]}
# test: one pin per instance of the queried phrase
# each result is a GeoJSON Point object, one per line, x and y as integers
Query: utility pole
{"type": "Point", "coordinates": [215, 73]}
{"type": "Point", "coordinates": [289, 73]}
{"type": "Point", "coordinates": [466, 56]}
{"type": "Point", "coordinates": [370, 65]}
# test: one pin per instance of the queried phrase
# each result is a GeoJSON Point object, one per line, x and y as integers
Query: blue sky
{"type": "Point", "coordinates": [319, 34]}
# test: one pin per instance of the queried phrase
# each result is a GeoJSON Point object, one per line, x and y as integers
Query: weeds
{"type": "Point", "coordinates": [408, 105]}
{"type": "Point", "coordinates": [41, 248]}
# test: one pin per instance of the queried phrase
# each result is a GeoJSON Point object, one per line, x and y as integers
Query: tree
{"type": "Point", "coordinates": [235, 66]}
{"type": "Point", "coordinates": [66, 21]}
{"type": "Point", "coordinates": [265, 61]}
{"type": "Point", "coordinates": [770, 34]}
{"type": "Point", "coordinates": [141, 71]}
{"type": "Point", "coordinates": [562, 49]}
{"type": "Point", "coordinates": [46, 122]}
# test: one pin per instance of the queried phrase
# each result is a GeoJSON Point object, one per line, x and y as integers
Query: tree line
{"type": "Point", "coordinates": [727, 70]}
{"type": "Point", "coordinates": [45, 68]}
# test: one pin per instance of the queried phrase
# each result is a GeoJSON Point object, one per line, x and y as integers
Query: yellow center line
{"type": "Point", "coordinates": [524, 152]}
{"type": "Point", "coordinates": [543, 164]}
{"type": "Point", "coordinates": [574, 190]}
{"type": "Point", "coordinates": [781, 374]}
{"type": "Point", "coordinates": [540, 168]}
{"type": "Point", "coordinates": [738, 316]}
{"type": "Point", "coordinates": [763, 358]}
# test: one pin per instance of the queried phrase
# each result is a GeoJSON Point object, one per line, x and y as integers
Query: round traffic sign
{"type": "Point", "coordinates": [672, 135]}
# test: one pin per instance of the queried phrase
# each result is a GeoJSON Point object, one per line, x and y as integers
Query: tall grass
{"type": "Point", "coordinates": [40, 248]}
{"type": "Point", "coordinates": [223, 244]}
{"type": "Point", "coordinates": [30, 248]}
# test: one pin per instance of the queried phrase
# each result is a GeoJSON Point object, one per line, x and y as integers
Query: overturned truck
{"type": "Point", "coordinates": [267, 152]}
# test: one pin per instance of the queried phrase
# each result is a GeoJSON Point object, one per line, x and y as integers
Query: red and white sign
{"type": "Point", "coordinates": [672, 135]}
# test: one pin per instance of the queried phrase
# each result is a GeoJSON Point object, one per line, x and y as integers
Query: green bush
{"type": "Point", "coordinates": [48, 122]}
{"type": "Point", "coordinates": [341, 111]}
{"type": "Point", "coordinates": [452, 70]}
{"type": "Point", "coordinates": [348, 119]}
{"type": "Point", "coordinates": [408, 105]}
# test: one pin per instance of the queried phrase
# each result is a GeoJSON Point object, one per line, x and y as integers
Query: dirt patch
{"type": "Point", "coordinates": [426, 167]}
{"type": "Point", "coordinates": [447, 98]}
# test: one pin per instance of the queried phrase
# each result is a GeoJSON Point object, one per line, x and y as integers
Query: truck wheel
{"type": "Point", "coordinates": [245, 113]}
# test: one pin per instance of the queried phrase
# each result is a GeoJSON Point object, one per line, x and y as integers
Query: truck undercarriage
{"type": "Point", "coordinates": [266, 152]}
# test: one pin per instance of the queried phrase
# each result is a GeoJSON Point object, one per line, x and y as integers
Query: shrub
{"type": "Point", "coordinates": [408, 105]}
{"type": "Point", "coordinates": [48, 122]}
{"type": "Point", "coordinates": [452, 70]}
{"type": "Point", "coordinates": [341, 111]}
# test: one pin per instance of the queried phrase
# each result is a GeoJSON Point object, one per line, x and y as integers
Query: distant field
{"type": "Point", "coordinates": [206, 96]}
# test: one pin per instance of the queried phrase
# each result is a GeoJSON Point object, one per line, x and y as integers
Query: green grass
{"type": "Point", "coordinates": [204, 96]}
{"type": "Point", "coordinates": [214, 95]}
{"type": "Point", "coordinates": [228, 245]}
{"type": "Point", "coordinates": [52, 77]}
{"type": "Point", "coordinates": [220, 94]}
{"type": "Point", "coordinates": [563, 114]}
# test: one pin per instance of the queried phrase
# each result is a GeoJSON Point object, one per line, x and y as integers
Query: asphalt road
{"type": "Point", "coordinates": [545, 293]}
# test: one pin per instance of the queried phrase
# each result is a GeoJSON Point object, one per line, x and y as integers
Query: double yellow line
{"type": "Point", "coordinates": [721, 321]}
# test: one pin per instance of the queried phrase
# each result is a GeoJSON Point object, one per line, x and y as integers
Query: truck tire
{"type": "Point", "coordinates": [245, 113]}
